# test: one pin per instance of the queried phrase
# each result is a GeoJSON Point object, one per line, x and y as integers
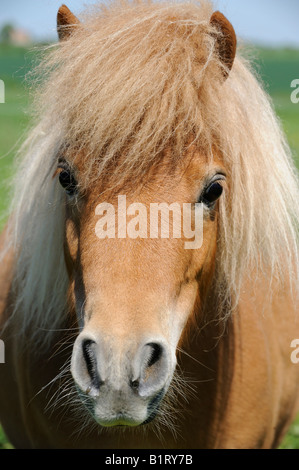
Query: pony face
{"type": "Point", "coordinates": [133, 284]}
{"type": "Point", "coordinates": [133, 295]}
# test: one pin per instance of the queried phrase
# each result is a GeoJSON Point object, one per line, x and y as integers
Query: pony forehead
{"type": "Point", "coordinates": [165, 174]}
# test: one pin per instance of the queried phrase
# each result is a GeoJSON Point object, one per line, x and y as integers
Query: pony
{"type": "Point", "coordinates": [138, 342]}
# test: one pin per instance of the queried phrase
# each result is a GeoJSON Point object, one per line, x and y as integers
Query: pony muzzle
{"type": "Point", "coordinates": [121, 384]}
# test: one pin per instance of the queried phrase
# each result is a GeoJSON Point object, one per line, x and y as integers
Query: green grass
{"type": "Point", "coordinates": [4, 443]}
{"type": "Point", "coordinates": [13, 122]}
{"type": "Point", "coordinates": [15, 64]}
{"type": "Point", "coordinates": [13, 113]}
{"type": "Point", "coordinates": [291, 440]}
{"type": "Point", "coordinates": [277, 68]}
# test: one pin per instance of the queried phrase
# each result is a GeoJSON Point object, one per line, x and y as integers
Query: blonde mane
{"type": "Point", "coordinates": [133, 78]}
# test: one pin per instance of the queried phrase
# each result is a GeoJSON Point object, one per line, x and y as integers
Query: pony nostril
{"type": "Point", "coordinates": [155, 355]}
{"type": "Point", "coordinates": [134, 384]}
{"type": "Point", "coordinates": [154, 368]}
{"type": "Point", "coordinates": [89, 354]}
{"type": "Point", "coordinates": [150, 368]}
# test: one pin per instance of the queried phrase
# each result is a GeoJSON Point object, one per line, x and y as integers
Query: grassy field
{"type": "Point", "coordinates": [277, 68]}
{"type": "Point", "coordinates": [14, 64]}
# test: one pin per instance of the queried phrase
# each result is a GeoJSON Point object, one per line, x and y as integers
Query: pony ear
{"type": "Point", "coordinates": [226, 41]}
{"type": "Point", "coordinates": [66, 22]}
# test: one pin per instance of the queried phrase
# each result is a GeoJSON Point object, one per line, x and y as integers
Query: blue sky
{"type": "Point", "coordinates": [266, 22]}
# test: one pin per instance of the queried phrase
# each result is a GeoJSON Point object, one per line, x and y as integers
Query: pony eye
{"type": "Point", "coordinates": [68, 182]}
{"type": "Point", "coordinates": [212, 193]}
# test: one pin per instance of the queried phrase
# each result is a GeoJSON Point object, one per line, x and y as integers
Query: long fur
{"type": "Point", "coordinates": [134, 78]}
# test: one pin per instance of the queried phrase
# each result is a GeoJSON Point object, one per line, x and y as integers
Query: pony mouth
{"type": "Point", "coordinates": [121, 420]}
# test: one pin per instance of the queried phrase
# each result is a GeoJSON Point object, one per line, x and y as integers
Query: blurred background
{"type": "Point", "coordinates": [268, 29]}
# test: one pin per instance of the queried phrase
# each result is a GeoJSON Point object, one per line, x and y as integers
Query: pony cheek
{"type": "Point", "coordinates": [72, 239]}
{"type": "Point", "coordinates": [71, 245]}
{"type": "Point", "coordinates": [182, 311]}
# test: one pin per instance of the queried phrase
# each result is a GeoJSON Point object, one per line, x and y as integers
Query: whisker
{"type": "Point", "coordinates": [193, 358]}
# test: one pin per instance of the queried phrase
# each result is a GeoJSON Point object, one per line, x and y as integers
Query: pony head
{"type": "Point", "coordinates": [146, 104]}
{"type": "Point", "coordinates": [134, 295]}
